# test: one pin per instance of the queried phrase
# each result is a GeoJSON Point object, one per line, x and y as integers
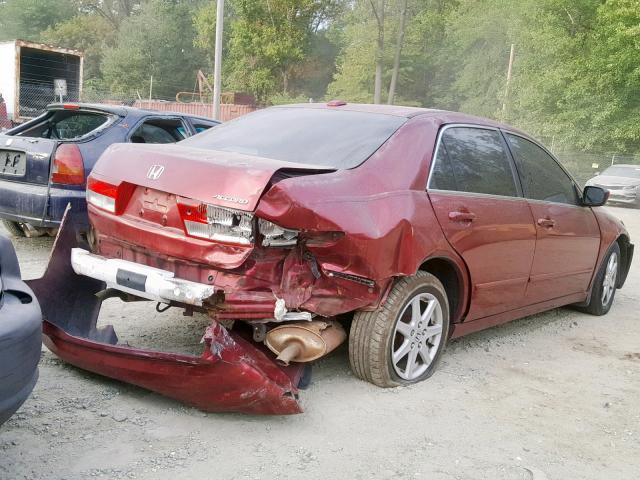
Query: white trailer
{"type": "Point", "coordinates": [33, 75]}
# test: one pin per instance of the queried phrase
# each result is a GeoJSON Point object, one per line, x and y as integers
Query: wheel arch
{"type": "Point", "coordinates": [626, 254]}
{"type": "Point", "coordinates": [455, 282]}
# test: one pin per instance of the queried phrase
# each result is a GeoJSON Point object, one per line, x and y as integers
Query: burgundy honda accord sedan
{"type": "Point", "coordinates": [290, 226]}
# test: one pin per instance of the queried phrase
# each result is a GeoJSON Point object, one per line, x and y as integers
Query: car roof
{"type": "Point", "coordinates": [121, 110]}
{"type": "Point", "coordinates": [442, 116]}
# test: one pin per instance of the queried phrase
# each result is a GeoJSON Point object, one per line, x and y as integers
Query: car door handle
{"type": "Point", "coordinates": [546, 222]}
{"type": "Point", "coordinates": [462, 216]}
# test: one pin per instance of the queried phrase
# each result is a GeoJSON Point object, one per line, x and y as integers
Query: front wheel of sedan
{"type": "Point", "coordinates": [605, 283]}
{"type": "Point", "coordinates": [402, 341]}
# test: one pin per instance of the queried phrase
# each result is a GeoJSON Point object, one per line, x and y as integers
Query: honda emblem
{"type": "Point", "coordinates": [155, 171]}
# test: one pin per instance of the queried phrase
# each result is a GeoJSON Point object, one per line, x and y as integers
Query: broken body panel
{"type": "Point", "coordinates": [232, 374]}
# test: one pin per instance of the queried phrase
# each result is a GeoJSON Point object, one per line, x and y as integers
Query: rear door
{"type": "Point", "coordinates": [568, 236]}
{"type": "Point", "coordinates": [476, 197]}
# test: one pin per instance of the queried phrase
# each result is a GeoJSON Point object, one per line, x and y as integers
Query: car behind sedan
{"type": "Point", "coordinates": [622, 182]}
{"type": "Point", "coordinates": [44, 163]}
{"type": "Point", "coordinates": [294, 224]}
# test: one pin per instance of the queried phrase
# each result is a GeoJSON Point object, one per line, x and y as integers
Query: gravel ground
{"type": "Point", "coordinates": [551, 396]}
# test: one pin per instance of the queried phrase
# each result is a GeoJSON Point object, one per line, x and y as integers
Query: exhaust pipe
{"type": "Point", "coordinates": [305, 341]}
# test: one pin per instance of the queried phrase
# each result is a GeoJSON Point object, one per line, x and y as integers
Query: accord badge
{"type": "Point", "coordinates": [227, 198]}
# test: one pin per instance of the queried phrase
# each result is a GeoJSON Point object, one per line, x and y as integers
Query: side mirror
{"type": "Point", "coordinates": [594, 196]}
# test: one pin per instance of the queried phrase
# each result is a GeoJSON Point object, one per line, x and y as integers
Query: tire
{"type": "Point", "coordinates": [14, 228]}
{"type": "Point", "coordinates": [606, 278]}
{"type": "Point", "coordinates": [375, 336]}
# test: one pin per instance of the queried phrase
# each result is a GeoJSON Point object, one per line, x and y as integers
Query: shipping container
{"type": "Point", "coordinates": [33, 75]}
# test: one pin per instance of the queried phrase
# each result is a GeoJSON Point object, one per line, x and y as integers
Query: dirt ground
{"type": "Point", "coordinates": [552, 396]}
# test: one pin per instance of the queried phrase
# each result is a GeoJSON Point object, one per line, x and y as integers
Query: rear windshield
{"type": "Point", "coordinates": [336, 139]}
{"type": "Point", "coordinates": [66, 125]}
{"type": "Point", "coordinates": [631, 172]}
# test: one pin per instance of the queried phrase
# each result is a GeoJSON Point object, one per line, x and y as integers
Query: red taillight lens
{"type": "Point", "coordinates": [192, 210]}
{"type": "Point", "coordinates": [215, 223]}
{"type": "Point", "coordinates": [109, 197]}
{"type": "Point", "coordinates": [68, 167]}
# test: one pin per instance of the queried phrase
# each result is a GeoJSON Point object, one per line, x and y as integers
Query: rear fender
{"type": "Point", "coordinates": [378, 237]}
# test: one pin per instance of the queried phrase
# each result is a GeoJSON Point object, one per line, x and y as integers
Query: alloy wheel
{"type": "Point", "coordinates": [417, 336]}
{"type": "Point", "coordinates": [609, 280]}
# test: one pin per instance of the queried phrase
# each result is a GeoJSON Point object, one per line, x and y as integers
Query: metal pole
{"type": "Point", "coordinates": [217, 60]}
{"type": "Point", "coordinates": [506, 89]}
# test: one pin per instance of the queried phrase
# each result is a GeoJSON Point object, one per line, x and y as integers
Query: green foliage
{"type": "Point", "coordinates": [27, 19]}
{"type": "Point", "coordinates": [574, 81]}
{"type": "Point", "coordinates": [271, 45]}
{"type": "Point", "coordinates": [91, 34]}
{"type": "Point", "coordinates": [158, 42]}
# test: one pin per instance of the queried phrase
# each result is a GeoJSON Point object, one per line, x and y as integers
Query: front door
{"type": "Point", "coordinates": [568, 236]}
{"type": "Point", "coordinates": [475, 196]}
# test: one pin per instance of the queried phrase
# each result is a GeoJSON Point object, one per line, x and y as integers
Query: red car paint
{"type": "Point", "coordinates": [237, 378]}
{"type": "Point", "coordinates": [509, 257]}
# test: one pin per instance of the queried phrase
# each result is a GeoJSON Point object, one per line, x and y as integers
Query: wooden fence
{"type": "Point", "coordinates": [227, 111]}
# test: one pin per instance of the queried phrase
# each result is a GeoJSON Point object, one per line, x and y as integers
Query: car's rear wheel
{"type": "Point", "coordinates": [402, 341]}
{"type": "Point", "coordinates": [605, 283]}
{"type": "Point", "coordinates": [14, 228]}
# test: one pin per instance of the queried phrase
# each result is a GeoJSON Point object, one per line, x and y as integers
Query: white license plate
{"type": "Point", "coordinates": [13, 163]}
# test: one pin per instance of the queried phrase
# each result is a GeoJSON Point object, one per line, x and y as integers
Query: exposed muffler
{"type": "Point", "coordinates": [305, 341]}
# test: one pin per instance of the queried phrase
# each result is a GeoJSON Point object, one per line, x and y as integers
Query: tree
{"type": "Point", "coordinates": [27, 19]}
{"type": "Point", "coordinates": [268, 42]}
{"type": "Point", "coordinates": [379, 14]}
{"type": "Point", "coordinates": [158, 41]}
{"type": "Point", "coordinates": [398, 51]}
{"type": "Point", "coordinates": [112, 11]}
{"type": "Point", "coordinates": [91, 34]}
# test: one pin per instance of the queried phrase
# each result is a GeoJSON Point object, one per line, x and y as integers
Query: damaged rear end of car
{"type": "Point", "coordinates": [274, 251]}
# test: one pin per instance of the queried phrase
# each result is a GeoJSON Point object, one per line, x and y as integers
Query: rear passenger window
{"type": "Point", "coordinates": [473, 160]}
{"type": "Point", "coordinates": [542, 178]}
{"type": "Point", "coordinates": [159, 130]}
{"type": "Point", "coordinates": [201, 127]}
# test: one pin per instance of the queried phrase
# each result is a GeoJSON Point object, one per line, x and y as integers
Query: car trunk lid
{"type": "Point", "coordinates": [183, 203]}
{"type": "Point", "coordinates": [227, 179]}
{"type": "Point", "coordinates": [25, 159]}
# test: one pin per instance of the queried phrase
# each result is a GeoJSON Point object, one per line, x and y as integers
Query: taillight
{"type": "Point", "coordinates": [216, 223]}
{"type": "Point", "coordinates": [68, 167]}
{"type": "Point", "coordinates": [275, 235]}
{"type": "Point", "coordinates": [109, 197]}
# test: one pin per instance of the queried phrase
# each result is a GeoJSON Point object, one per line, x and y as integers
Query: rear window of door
{"type": "Point", "coordinates": [160, 130]}
{"type": "Point", "coordinates": [541, 176]}
{"type": "Point", "coordinates": [200, 126]}
{"type": "Point", "coordinates": [473, 160]}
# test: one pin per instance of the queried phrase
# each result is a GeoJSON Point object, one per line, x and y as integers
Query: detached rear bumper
{"type": "Point", "coordinates": [231, 375]}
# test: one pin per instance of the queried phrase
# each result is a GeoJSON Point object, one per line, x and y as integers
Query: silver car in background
{"type": "Point", "coordinates": [623, 183]}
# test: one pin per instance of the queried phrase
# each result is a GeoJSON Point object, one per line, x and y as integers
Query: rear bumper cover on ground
{"type": "Point", "coordinates": [20, 335]}
{"type": "Point", "coordinates": [231, 374]}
